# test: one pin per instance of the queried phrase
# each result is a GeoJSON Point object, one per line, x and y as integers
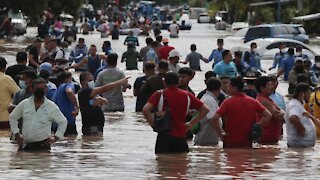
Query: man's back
{"type": "Point", "coordinates": [152, 84]}
{"type": "Point", "coordinates": [164, 52]}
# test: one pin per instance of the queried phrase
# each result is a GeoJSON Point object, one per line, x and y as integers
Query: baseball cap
{"type": "Point", "coordinates": [3, 63]}
{"type": "Point", "coordinates": [46, 67]}
{"type": "Point", "coordinates": [21, 56]}
{"type": "Point", "coordinates": [165, 40]}
{"type": "Point", "coordinates": [252, 75]}
{"type": "Point", "coordinates": [174, 53]}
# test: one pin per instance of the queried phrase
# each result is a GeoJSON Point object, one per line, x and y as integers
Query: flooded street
{"type": "Point", "coordinates": [126, 149]}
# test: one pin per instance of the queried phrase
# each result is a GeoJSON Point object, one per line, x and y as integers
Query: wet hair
{"type": "Point", "coordinates": [300, 88]}
{"type": "Point", "coordinates": [112, 58]}
{"type": "Point", "coordinates": [163, 64]}
{"type": "Point", "coordinates": [63, 76]}
{"type": "Point", "coordinates": [185, 70]}
{"type": "Point", "coordinates": [225, 53]}
{"type": "Point", "coordinates": [210, 74]}
{"type": "Point", "coordinates": [38, 81]}
{"type": "Point", "coordinates": [149, 40]}
{"type": "Point", "coordinates": [253, 44]}
{"type": "Point", "coordinates": [291, 51]}
{"type": "Point", "coordinates": [237, 82]}
{"type": "Point", "coordinates": [29, 73]}
{"type": "Point", "coordinates": [149, 65]}
{"type": "Point", "coordinates": [261, 82]}
{"type": "Point", "coordinates": [83, 76]}
{"type": "Point", "coordinates": [213, 84]}
{"type": "Point", "coordinates": [193, 47]}
{"type": "Point", "coordinates": [171, 79]}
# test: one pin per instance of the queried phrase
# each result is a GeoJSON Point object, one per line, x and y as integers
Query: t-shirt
{"type": "Point", "coordinates": [207, 135]}
{"type": "Point", "coordinates": [271, 132]}
{"type": "Point", "coordinates": [239, 112]}
{"type": "Point", "coordinates": [295, 108]}
{"type": "Point", "coordinates": [174, 68]}
{"type": "Point", "coordinates": [216, 55]}
{"type": "Point", "coordinates": [7, 89]}
{"type": "Point", "coordinates": [151, 55]}
{"type": "Point", "coordinates": [136, 32]}
{"type": "Point", "coordinates": [114, 96]}
{"type": "Point", "coordinates": [131, 39]}
{"type": "Point", "coordinates": [141, 98]}
{"type": "Point", "coordinates": [143, 53]}
{"type": "Point", "coordinates": [225, 69]}
{"type": "Point", "coordinates": [15, 70]}
{"type": "Point", "coordinates": [152, 84]}
{"type": "Point", "coordinates": [63, 102]}
{"type": "Point", "coordinates": [286, 65]}
{"type": "Point", "coordinates": [91, 115]}
{"type": "Point", "coordinates": [177, 100]}
{"type": "Point", "coordinates": [174, 29]}
{"type": "Point", "coordinates": [131, 56]}
{"type": "Point", "coordinates": [34, 52]}
{"type": "Point", "coordinates": [164, 52]}
{"type": "Point", "coordinates": [194, 60]}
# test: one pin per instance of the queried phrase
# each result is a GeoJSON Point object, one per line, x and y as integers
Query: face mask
{"type": "Point", "coordinates": [22, 84]}
{"type": "Point", "coordinates": [91, 84]}
{"type": "Point", "coordinates": [318, 64]}
{"type": "Point", "coordinates": [298, 53]}
{"type": "Point", "coordinates": [282, 50]}
{"type": "Point", "coordinates": [39, 94]}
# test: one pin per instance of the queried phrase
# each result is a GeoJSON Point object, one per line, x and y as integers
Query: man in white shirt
{"type": "Point", "coordinates": [207, 135]}
{"type": "Point", "coordinates": [301, 131]}
{"type": "Point", "coordinates": [174, 30]}
{"type": "Point", "coordinates": [38, 113]}
{"type": "Point", "coordinates": [174, 57]}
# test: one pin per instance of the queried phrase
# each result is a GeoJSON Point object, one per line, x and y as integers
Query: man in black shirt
{"type": "Point", "coordinates": [34, 53]}
{"type": "Point", "coordinates": [15, 70]}
{"type": "Point", "coordinates": [90, 102]}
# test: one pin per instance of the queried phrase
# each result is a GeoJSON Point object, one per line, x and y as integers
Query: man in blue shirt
{"type": "Point", "coordinates": [282, 54]}
{"type": "Point", "coordinates": [226, 67]}
{"type": "Point", "coordinates": [216, 54]}
{"type": "Point", "coordinates": [287, 64]}
{"type": "Point", "coordinates": [252, 58]}
{"type": "Point", "coordinates": [300, 54]}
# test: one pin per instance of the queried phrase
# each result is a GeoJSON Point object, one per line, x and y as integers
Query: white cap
{"type": "Point", "coordinates": [174, 53]}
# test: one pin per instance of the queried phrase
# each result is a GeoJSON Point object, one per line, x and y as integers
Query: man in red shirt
{"type": "Point", "coordinates": [239, 116]}
{"type": "Point", "coordinates": [177, 100]}
{"type": "Point", "coordinates": [271, 132]}
{"type": "Point", "coordinates": [165, 49]}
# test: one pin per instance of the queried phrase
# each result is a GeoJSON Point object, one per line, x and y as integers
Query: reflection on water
{"type": "Point", "coordinates": [126, 148]}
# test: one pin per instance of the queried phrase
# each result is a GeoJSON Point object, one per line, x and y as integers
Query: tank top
{"type": "Point", "coordinates": [94, 63]}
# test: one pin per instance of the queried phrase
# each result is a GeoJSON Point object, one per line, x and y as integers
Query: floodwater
{"type": "Point", "coordinates": [126, 149]}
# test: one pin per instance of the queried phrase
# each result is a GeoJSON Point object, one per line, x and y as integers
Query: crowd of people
{"type": "Point", "coordinates": [240, 105]}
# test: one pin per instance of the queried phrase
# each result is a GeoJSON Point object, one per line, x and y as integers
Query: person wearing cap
{"type": "Point", "coordinates": [110, 75]}
{"type": "Point", "coordinates": [131, 57]}
{"type": "Point", "coordinates": [282, 54]}
{"type": "Point", "coordinates": [239, 112]}
{"type": "Point", "coordinates": [242, 67]}
{"type": "Point", "coordinates": [34, 53]}
{"type": "Point", "coordinates": [152, 54]}
{"type": "Point", "coordinates": [293, 74]}
{"type": "Point", "coordinates": [131, 39]}
{"type": "Point", "coordinates": [174, 30]}
{"type": "Point", "coordinates": [271, 132]}
{"type": "Point", "coordinates": [275, 96]}
{"type": "Point", "coordinates": [300, 124]}
{"type": "Point", "coordinates": [216, 54]}
{"type": "Point", "coordinates": [15, 70]}
{"type": "Point", "coordinates": [174, 57]}
{"type": "Point", "coordinates": [7, 89]}
{"type": "Point", "coordinates": [78, 53]}
{"type": "Point", "coordinates": [250, 79]}
{"type": "Point", "coordinates": [226, 67]}
{"type": "Point", "coordinates": [287, 64]}
{"type": "Point", "coordinates": [194, 58]}
{"type": "Point", "coordinates": [165, 49]}
{"type": "Point", "coordinates": [45, 71]}
{"type": "Point", "coordinates": [252, 58]}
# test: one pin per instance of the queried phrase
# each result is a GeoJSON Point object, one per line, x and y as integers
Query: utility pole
{"type": "Point", "coordinates": [278, 11]}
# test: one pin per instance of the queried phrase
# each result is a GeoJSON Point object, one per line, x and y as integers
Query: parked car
{"type": "Point", "coordinates": [204, 18]}
{"type": "Point", "coordinates": [18, 21]}
{"type": "Point", "coordinates": [268, 47]}
{"type": "Point", "coordinates": [288, 31]}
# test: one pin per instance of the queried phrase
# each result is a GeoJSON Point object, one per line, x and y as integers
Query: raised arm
{"type": "Point", "coordinates": [107, 87]}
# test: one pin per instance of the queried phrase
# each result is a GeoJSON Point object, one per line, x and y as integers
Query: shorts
{"type": "Point", "coordinates": [167, 144]}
